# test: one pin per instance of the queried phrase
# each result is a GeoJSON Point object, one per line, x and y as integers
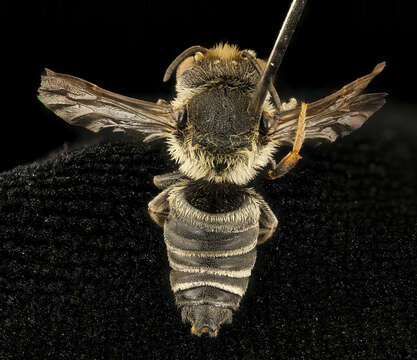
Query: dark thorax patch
{"type": "Point", "coordinates": [220, 119]}
{"type": "Point", "coordinates": [214, 198]}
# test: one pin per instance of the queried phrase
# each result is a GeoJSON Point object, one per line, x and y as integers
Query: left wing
{"type": "Point", "coordinates": [84, 104]}
{"type": "Point", "coordinates": [332, 116]}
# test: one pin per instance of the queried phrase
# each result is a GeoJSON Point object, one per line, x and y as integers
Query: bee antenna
{"type": "Point", "coordinates": [180, 58]}
{"type": "Point", "coordinates": [276, 56]}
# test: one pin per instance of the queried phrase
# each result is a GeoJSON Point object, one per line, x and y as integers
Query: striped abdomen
{"type": "Point", "coordinates": [211, 256]}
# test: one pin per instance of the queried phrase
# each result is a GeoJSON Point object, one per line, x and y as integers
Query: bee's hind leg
{"type": "Point", "coordinates": [268, 222]}
{"type": "Point", "coordinates": [165, 180]}
{"type": "Point", "coordinates": [291, 159]}
{"type": "Point", "coordinates": [158, 208]}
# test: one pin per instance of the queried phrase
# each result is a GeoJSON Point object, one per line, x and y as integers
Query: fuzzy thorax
{"type": "Point", "coordinates": [240, 167]}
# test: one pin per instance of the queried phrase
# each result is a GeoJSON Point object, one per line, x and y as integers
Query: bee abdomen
{"type": "Point", "coordinates": [211, 257]}
{"type": "Point", "coordinates": [209, 274]}
{"type": "Point", "coordinates": [218, 259]}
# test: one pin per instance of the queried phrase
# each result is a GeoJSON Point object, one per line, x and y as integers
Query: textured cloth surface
{"type": "Point", "coordinates": [84, 273]}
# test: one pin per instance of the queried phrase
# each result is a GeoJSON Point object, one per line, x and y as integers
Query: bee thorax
{"type": "Point", "coordinates": [220, 142]}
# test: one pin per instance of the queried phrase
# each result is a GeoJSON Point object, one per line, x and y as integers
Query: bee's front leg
{"type": "Point", "coordinates": [291, 159]}
{"type": "Point", "coordinates": [158, 208]}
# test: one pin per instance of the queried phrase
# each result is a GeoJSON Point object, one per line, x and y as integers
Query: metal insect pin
{"type": "Point", "coordinates": [222, 128]}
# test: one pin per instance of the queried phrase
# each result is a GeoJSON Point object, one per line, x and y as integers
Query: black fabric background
{"type": "Point", "coordinates": [83, 270]}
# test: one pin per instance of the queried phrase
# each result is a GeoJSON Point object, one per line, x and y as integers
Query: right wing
{"type": "Point", "coordinates": [84, 104]}
{"type": "Point", "coordinates": [335, 115]}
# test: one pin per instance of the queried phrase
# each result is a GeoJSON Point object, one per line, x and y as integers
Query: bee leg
{"type": "Point", "coordinates": [268, 222]}
{"type": "Point", "coordinates": [289, 105]}
{"type": "Point", "coordinates": [158, 208]}
{"type": "Point", "coordinates": [291, 159]}
{"type": "Point", "coordinates": [165, 180]}
{"type": "Point", "coordinates": [162, 102]}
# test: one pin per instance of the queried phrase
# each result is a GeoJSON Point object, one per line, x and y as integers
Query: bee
{"type": "Point", "coordinates": [222, 129]}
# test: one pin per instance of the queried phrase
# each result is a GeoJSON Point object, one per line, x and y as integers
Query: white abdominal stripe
{"type": "Point", "coordinates": [222, 266]}
{"type": "Point", "coordinates": [216, 244]}
{"type": "Point", "coordinates": [184, 281]}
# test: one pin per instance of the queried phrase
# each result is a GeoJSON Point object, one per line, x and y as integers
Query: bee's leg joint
{"type": "Point", "coordinates": [291, 159]}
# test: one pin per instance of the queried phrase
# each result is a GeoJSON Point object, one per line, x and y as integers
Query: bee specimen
{"type": "Point", "coordinates": [223, 128]}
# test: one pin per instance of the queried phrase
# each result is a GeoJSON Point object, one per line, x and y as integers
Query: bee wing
{"type": "Point", "coordinates": [84, 104]}
{"type": "Point", "coordinates": [332, 116]}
